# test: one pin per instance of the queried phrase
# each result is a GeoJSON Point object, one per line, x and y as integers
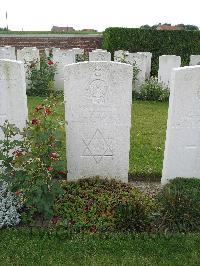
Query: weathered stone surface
{"type": "Point", "coordinates": [166, 64]}
{"type": "Point", "coordinates": [194, 60]}
{"type": "Point", "coordinates": [13, 100]}
{"type": "Point", "coordinates": [62, 58]}
{"type": "Point", "coordinates": [121, 56]}
{"type": "Point", "coordinates": [140, 61]}
{"type": "Point", "coordinates": [78, 51]}
{"type": "Point", "coordinates": [99, 55]}
{"type": "Point", "coordinates": [7, 52]}
{"type": "Point", "coordinates": [182, 147]}
{"type": "Point", "coordinates": [98, 116]}
{"type": "Point", "coordinates": [29, 56]}
{"type": "Point", "coordinates": [148, 64]}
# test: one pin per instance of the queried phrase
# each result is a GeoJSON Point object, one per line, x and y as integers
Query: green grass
{"type": "Point", "coordinates": [147, 136]}
{"type": "Point", "coordinates": [20, 247]}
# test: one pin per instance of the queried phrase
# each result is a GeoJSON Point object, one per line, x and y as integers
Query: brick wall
{"type": "Point", "coordinates": [87, 42]}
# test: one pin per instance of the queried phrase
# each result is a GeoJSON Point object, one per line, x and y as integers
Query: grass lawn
{"type": "Point", "coordinates": [19, 247]}
{"type": "Point", "coordinates": [147, 136]}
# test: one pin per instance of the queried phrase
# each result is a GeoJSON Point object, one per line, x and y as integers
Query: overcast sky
{"type": "Point", "coordinates": [42, 14]}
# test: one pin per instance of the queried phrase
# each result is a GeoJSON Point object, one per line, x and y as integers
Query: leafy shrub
{"type": "Point", "coordinates": [32, 164]}
{"type": "Point", "coordinates": [152, 90]}
{"type": "Point", "coordinates": [180, 205]}
{"type": "Point", "coordinates": [92, 205]}
{"type": "Point", "coordinates": [9, 206]}
{"type": "Point", "coordinates": [41, 80]}
{"type": "Point", "coordinates": [158, 42]}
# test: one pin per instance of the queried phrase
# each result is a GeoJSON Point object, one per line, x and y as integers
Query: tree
{"type": "Point", "coordinates": [146, 26]}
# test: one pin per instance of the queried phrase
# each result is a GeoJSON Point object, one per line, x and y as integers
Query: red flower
{"type": "Point", "coordinates": [53, 155]}
{"type": "Point", "coordinates": [55, 219]}
{"type": "Point", "coordinates": [17, 153]}
{"type": "Point", "coordinates": [47, 111]}
{"type": "Point", "coordinates": [93, 229]}
{"type": "Point", "coordinates": [35, 121]}
{"type": "Point", "coordinates": [50, 62]}
{"type": "Point", "coordinates": [50, 169]}
{"type": "Point", "coordinates": [39, 107]}
{"type": "Point", "coordinates": [18, 193]}
{"type": "Point", "coordinates": [62, 172]}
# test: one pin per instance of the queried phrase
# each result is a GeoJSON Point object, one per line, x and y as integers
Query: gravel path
{"type": "Point", "coordinates": [149, 188]}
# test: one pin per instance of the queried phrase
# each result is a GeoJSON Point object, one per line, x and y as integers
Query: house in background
{"type": "Point", "coordinates": [62, 29]}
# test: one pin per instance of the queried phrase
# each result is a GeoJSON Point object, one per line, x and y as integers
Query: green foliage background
{"type": "Point", "coordinates": [158, 42]}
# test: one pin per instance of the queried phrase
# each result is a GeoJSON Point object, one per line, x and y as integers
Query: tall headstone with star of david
{"type": "Point", "coordinates": [98, 98]}
{"type": "Point", "coordinates": [13, 99]}
{"type": "Point", "coordinates": [182, 147]}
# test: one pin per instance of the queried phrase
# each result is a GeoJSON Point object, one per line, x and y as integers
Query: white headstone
{"type": "Point", "coordinates": [13, 100]}
{"type": "Point", "coordinates": [98, 97]}
{"type": "Point", "coordinates": [7, 52]}
{"type": "Point", "coordinates": [182, 147]}
{"type": "Point", "coordinates": [121, 56]}
{"type": "Point", "coordinates": [148, 67]}
{"type": "Point", "coordinates": [99, 55]}
{"type": "Point", "coordinates": [29, 56]}
{"type": "Point", "coordinates": [78, 51]}
{"type": "Point", "coordinates": [194, 60]}
{"type": "Point", "coordinates": [140, 61]}
{"type": "Point", "coordinates": [47, 52]}
{"type": "Point", "coordinates": [62, 58]}
{"type": "Point", "coordinates": [166, 64]}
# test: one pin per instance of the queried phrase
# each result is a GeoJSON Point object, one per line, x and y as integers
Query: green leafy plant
{"type": "Point", "coordinates": [180, 206]}
{"type": "Point", "coordinates": [152, 90]}
{"type": "Point", "coordinates": [33, 168]}
{"type": "Point", "coordinates": [41, 79]}
{"type": "Point", "coordinates": [90, 205]}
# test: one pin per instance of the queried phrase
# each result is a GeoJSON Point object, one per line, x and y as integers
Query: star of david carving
{"type": "Point", "coordinates": [97, 147]}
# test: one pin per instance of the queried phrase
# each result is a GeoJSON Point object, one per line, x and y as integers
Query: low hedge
{"type": "Point", "coordinates": [158, 42]}
{"type": "Point", "coordinates": [96, 205]}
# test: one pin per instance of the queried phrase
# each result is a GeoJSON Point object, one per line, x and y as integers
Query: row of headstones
{"type": "Point", "coordinates": [98, 99]}
{"type": "Point", "coordinates": [142, 60]}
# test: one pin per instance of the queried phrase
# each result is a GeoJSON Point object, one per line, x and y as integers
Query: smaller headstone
{"type": "Point", "coordinates": [121, 56]}
{"type": "Point", "coordinates": [148, 67]}
{"type": "Point", "coordinates": [78, 51]}
{"type": "Point", "coordinates": [79, 54]}
{"type": "Point", "coordinates": [13, 99]}
{"type": "Point", "coordinates": [194, 60]}
{"type": "Point", "coordinates": [30, 57]}
{"type": "Point", "coordinates": [182, 146]}
{"type": "Point", "coordinates": [62, 58]}
{"type": "Point", "coordinates": [99, 55]}
{"type": "Point", "coordinates": [47, 52]}
{"type": "Point", "coordinates": [7, 52]}
{"type": "Point", "coordinates": [166, 64]}
{"type": "Point", "coordinates": [139, 62]}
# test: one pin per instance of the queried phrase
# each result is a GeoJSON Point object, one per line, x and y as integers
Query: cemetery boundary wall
{"type": "Point", "coordinates": [41, 41]}
{"type": "Point", "coordinates": [158, 42]}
